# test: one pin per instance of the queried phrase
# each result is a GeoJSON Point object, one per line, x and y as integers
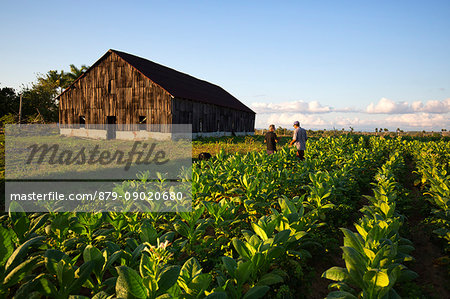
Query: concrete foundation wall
{"type": "Point", "coordinates": [141, 135]}
{"type": "Point", "coordinates": [87, 133]}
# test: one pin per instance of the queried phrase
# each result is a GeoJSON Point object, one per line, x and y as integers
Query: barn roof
{"type": "Point", "coordinates": [181, 85]}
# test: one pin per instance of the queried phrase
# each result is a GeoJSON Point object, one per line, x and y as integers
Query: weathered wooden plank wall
{"type": "Point", "coordinates": [213, 118]}
{"type": "Point", "coordinates": [114, 88]}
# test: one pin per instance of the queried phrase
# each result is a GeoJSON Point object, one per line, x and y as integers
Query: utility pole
{"type": "Point", "coordinates": [20, 110]}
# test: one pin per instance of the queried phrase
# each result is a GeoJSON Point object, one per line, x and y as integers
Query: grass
{"type": "Point", "coordinates": [19, 152]}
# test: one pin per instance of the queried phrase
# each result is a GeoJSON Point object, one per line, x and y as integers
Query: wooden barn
{"type": "Point", "coordinates": [135, 95]}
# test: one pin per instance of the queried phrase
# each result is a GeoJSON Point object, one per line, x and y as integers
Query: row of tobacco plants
{"type": "Point", "coordinates": [375, 253]}
{"type": "Point", "coordinates": [256, 222]}
{"type": "Point", "coordinates": [433, 167]}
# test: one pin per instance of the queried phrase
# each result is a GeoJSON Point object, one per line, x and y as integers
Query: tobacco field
{"type": "Point", "coordinates": [351, 221]}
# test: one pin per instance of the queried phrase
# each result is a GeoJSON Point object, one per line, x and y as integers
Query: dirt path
{"type": "Point", "coordinates": [319, 285]}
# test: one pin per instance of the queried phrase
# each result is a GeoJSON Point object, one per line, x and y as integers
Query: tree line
{"type": "Point", "coordinates": [39, 103]}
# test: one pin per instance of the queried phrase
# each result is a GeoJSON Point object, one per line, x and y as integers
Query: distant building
{"type": "Point", "coordinates": [134, 93]}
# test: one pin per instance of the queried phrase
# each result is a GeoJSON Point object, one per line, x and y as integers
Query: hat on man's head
{"type": "Point", "coordinates": [296, 123]}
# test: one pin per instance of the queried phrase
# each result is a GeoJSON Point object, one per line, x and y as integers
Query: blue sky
{"type": "Point", "coordinates": [325, 63]}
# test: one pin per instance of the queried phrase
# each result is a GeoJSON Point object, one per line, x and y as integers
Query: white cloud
{"type": "Point", "coordinates": [286, 120]}
{"type": "Point", "coordinates": [430, 115]}
{"type": "Point", "coordinates": [437, 106]}
{"type": "Point", "coordinates": [359, 121]}
{"type": "Point", "coordinates": [386, 106]}
{"type": "Point", "coordinates": [419, 120]}
{"type": "Point", "coordinates": [295, 107]}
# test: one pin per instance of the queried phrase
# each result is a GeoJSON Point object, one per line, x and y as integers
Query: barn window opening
{"type": "Point", "coordinates": [143, 123]}
{"type": "Point", "coordinates": [200, 126]}
{"type": "Point", "coordinates": [82, 122]}
{"type": "Point", "coordinates": [109, 86]}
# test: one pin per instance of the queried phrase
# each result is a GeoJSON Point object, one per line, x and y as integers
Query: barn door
{"type": "Point", "coordinates": [111, 127]}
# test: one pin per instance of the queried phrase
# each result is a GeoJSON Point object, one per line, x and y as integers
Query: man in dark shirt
{"type": "Point", "coordinates": [271, 140]}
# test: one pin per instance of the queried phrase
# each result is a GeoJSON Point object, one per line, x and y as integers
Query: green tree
{"type": "Point", "coordinates": [40, 100]}
{"type": "Point", "coordinates": [75, 72]}
{"type": "Point", "coordinates": [9, 101]}
{"type": "Point", "coordinates": [53, 80]}
{"type": "Point", "coordinates": [60, 80]}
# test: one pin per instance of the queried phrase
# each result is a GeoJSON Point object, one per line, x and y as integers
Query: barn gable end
{"type": "Point", "coordinates": [112, 87]}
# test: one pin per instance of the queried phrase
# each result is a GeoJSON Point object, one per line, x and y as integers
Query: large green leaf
{"type": "Point", "coordinates": [19, 220]}
{"type": "Point", "coordinates": [256, 292]}
{"type": "Point", "coordinates": [6, 245]}
{"type": "Point", "coordinates": [258, 260]}
{"type": "Point", "coordinates": [241, 248]}
{"type": "Point", "coordinates": [129, 284]}
{"type": "Point", "coordinates": [355, 264]}
{"type": "Point", "coordinates": [112, 259]}
{"type": "Point", "coordinates": [287, 207]}
{"type": "Point", "coordinates": [259, 231]}
{"type": "Point", "coordinates": [191, 268]}
{"type": "Point", "coordinates": [46, 287]}
{"type": "Point", "coordinates": [361, 231]}
{"type": "Point", "coordinates": [168, 278]}
{"type": "Point", "coordinates": [377, 278]}
{"type": "Point", "coordinates": [199, 284]}
{"type": "Point", "coordinates": [19, 254]}
{"type": "Point", "coordinates": [386, 209]}
{"type": "Point", "coordinates": [336, 274]}
{"type": "Point", "coordinates": [275, 252]}
{"type": "Point", "coordinates": [16, 274]}
{"type": "Point", "coordinates": [353, 240]}
{"type": "Point", "coordinates": [282, 236]}
{"type": "Point", "coordinates": [52, 257]}
{"type": "Point", "coordinates": [230, 265]}
{"type": "Point", "coordinates": [243, 271]}
{"type": "Point", "coordinates": [148, 233]}
{"type": "Point", "coordinates": [81, 275]}
{"type": "Point", "coordinates": [92, 254]}
{"type": "Point", "coordinates": [270, 279]}
{"type": "Point", "coordinates": [181, 228]}
{"type": "Point", "coordinates": [28, 287]}
{"type": "Point", "coordinates": [191, 279]}
{"type": "Point", "coordinates": [65, 273]}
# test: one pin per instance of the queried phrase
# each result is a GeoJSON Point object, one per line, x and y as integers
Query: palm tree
{"type": "Point", "coordinates": [74, 74]}
{"type": "Point", "coordinates": [54, 80]}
